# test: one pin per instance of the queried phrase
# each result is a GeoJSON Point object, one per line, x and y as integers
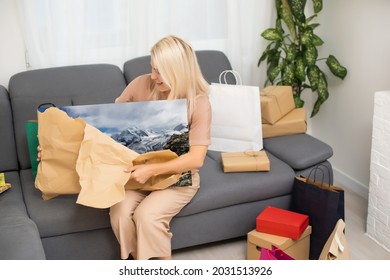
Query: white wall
{"type": "Point", "coordinates": [11, 46]}
{"type": "Point", "coordinates": [356, 32]}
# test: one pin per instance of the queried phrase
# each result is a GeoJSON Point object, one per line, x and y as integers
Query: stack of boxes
{"type": "Point", "coordinates": [284, 229]}
{"type": "Point", "coordinates": [278, 113]}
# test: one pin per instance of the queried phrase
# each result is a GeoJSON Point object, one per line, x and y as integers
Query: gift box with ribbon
{"type": "Point", "coordinates": [245, 161]}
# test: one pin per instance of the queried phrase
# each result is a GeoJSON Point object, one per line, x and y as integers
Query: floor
{"type": "Point", "coordinates": [362, 247]}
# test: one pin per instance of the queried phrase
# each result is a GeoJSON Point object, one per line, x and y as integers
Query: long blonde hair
{"type": "Point", "coordinates": [179, 69]}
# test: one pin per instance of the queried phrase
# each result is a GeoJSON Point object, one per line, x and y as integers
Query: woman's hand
{"type": "Point", "coordinates": [140, 173]}
{"type": "Point", "coordinates": [39, 149]}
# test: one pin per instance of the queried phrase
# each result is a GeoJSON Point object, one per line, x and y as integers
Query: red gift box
{"type": "Point", "coordinates": [281, 222]}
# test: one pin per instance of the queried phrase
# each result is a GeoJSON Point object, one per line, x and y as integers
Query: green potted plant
{"type": "Point", "coordinates": [292, 55]}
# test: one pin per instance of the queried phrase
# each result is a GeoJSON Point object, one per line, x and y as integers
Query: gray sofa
{"type": "Point", "coordinates": [225, 207]}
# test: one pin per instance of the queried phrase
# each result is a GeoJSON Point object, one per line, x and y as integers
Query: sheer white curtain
{"type": "Point", "coordinates": [66, 32]}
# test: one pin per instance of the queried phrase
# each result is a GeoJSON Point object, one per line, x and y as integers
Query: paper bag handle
{"type": "Point", "coordinates": [323, 173]}
{"type": "Point", "coordinates": [48, 104]}
{"type": "Point", "coordinates": [235, 74]}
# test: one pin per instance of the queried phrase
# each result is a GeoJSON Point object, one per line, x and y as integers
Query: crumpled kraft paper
{"type": "Point", "coordinates": [59, 137]}
{"type": "Point", "coordinates": [100, 165]}
{"type": "Point", "coordinates": [157, 182]}
{"type": "Point", "coordinates": [80, 159]}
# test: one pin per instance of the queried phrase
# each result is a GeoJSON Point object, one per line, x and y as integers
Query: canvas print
{"type": "Point", "coordinates": [141, 126]}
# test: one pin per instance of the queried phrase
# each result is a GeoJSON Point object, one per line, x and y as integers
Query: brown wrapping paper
{"type": "Point", "coordinates": [157, 182]}
{"type": "Point", "coordinates": [293, 123]}
{"type": "Point", "coordinates": [245, 161]}
{"type": "Point", "coordinates": [276, 102]}
{"type": "Point", "coordinates": [79, 159]}
{"type": "Point", "coordinates": [100, 165]}
{"type": "Point", "coordinates": [59, 137]}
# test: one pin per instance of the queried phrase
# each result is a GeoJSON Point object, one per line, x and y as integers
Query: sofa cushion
{"type": "Point", "coordinates": [60, 215]}
{"type": "Point", "coordinates": [212, 63]}
{"type": "Point", "coordinates": [300, 151]}
{"type": "Point", "coordinates": [19, 239]}
{"type": "Point", "coordinates": [8, 160]}
{"type": "Point", "coordinates": [11, 201]}
{"type": "Point", "coordinates": [69, 85]}
{"type": "Point", "coordinates": [219, 189]}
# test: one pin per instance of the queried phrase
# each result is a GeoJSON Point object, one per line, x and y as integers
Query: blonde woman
{"type": "Point", "coordinates": [141, 222]}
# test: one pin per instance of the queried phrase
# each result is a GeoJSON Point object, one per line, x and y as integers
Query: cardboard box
{"type": "Point", "coordinates": [245, 161]}
{"type": "Point", "coordinates": [282, 222]}
{"type": "Point", "coordinates": [276, 102]}
{"type": "Point", "coordinates": [298, 249]}
{"type": "Point", "coordinates": [292, 123]}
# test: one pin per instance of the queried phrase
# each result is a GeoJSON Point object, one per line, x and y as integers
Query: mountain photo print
{"type": "Point", "coordinates": [141, 126]}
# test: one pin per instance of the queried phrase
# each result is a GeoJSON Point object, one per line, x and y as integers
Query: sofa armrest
{"type": "Point", "coordinates": [300, 151]}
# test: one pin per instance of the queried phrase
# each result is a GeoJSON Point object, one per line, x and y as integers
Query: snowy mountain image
{"type": "Point", "coordinates": [146, 140]}
{"type": "Point", "coordinates": [140, 126]}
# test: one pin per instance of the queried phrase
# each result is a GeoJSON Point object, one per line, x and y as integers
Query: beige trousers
{"type": "Point", "coordinates": [141, 221]}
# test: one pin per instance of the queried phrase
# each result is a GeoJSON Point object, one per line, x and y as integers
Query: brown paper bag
{"type": "Point", "coordinates": [157, 182]}
{"type": "Point", "coordinates": [336, 247]}
{"type": "Point", "coordinates": [60, 137]}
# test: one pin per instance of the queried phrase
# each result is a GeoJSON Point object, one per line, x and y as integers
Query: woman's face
{"type": "Point", "coordinates": [162, 87]}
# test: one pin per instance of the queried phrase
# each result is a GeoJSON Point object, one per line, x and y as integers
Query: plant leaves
{"type": "Point", "coordinates": [298, 101]}
{"type": "Point", "coordinates": [265, 54]}
{"type": "Point", "coordinates": [313, 75]}
{"type": "Point", "coordinates": [274, 73]}
{"type": "Point", "coordinates": [298, 9]}
{"type": "Point", "coordinates": [288, 75]}
{"type": "Point", "coordinates": [317, 6]}
{"type": "Point", "coordinates": [310, 55]}
{"type": "Point", "coordinates": [287, 16]}
{"type": "Point", "coordinates": [273, 57]}
{"type": "Point", "coordinates": [316, 108]}
{"type": "Point", "coordinates": [322, 90]}
{"type": "Point", "coordinates": [314, 26]}
{"type": "Point", "coordinates": [317, 41]}
{"type": "Point", "coordinates": [309, 19]}
{"type": "Point", "coordinates": [291, 52]}
{"type": "Point", "coordinates": [307, 37]}
{"type": "Point", "coordinates": [272, 34]}
{"type": "Point", "coordinates": [335, 67]}
{"type": "Point", "coordinates": [300, 69]}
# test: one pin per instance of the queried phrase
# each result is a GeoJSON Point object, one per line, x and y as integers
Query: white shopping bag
{"type": "Point", "coordinates": [236, 116]}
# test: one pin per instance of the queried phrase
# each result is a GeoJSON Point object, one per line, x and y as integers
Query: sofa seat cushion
{"type": "Point", "coordinates": [11, 201]}
{"type": "Point", "coordinates": [19, 239]}
{"type": "Point", "coordinates": [219, 189]}
{"type": "Point", "coordinates": [60, 215]}
{"type": "Point", "coordinates": [300, 151]}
